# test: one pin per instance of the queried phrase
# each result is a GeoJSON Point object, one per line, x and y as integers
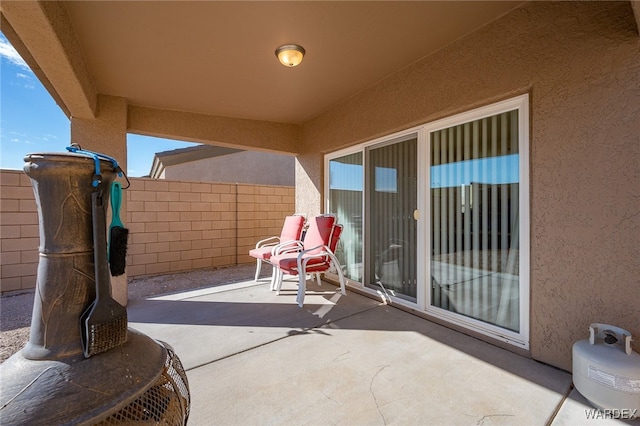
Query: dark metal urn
{"type": "Point", "coordinates": [51, 381]}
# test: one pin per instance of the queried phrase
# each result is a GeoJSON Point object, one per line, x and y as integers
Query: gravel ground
{"type": "Point", "coordinates": [16, 308]}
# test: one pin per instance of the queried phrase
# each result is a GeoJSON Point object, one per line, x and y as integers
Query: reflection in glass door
{"type": "Point", "coordinates": [345, 201]}
{"type": "Point", "coordinates": [465, 260]}
{"type": "Point", "coordinates": [391, 200]}
{"type": "Point", "coordinates": [475, 220]}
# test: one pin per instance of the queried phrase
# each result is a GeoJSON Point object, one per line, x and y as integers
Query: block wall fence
{"type": "Point", "coordinates": [174, 226]}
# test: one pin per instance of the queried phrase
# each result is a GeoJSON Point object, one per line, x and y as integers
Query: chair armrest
{"type": "Point", "coordinates": [273, 240]}
{"type": "Point", "coordinates": [292, 246]}
{"type": "Point", "coordinates": [324, 253]}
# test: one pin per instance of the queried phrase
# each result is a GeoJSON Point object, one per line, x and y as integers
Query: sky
{"type": "Point", "coordinates": [32, 122]}
{"type": "Point", "coordinates": [503, 169]}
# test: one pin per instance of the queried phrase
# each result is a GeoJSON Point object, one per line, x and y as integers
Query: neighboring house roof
{"type": "Point", "coordinates": [208, 163]}
{"type": "Point", "coordinates": [164, 159]}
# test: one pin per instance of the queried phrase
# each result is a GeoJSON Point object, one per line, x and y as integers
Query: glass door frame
{"type": "Point", "coordinates": [520, 338]}
{"type": "Point", "coordinates": [364, 148]}
{"type": "Point", "coordinates": [422, 132]}
{"type": "Point", "coordinates": [367, 249]}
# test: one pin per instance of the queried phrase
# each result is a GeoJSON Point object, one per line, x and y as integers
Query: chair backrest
{"type": "Point", "coordinates": [292, 228]}
{"type": "Point", "coordinates": [335, 238]}
{"type": "Point", "coordinates": [319, 232]}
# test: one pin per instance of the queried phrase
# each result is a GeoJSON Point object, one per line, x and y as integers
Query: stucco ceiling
{"type": "Point", "coordinates": [217, 58]}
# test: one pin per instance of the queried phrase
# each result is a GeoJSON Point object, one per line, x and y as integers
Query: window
{"type": "Point", "coordinates": [446, 218]}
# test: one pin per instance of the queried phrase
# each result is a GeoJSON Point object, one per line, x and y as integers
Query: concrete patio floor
{"type": "Point", "coordinates": [254, 358]}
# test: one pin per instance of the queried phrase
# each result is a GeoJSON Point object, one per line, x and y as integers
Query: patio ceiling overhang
{"type": "Point", "coordinates": [192, 69]}
{"type": "Point", "coordinates": [206, 71]}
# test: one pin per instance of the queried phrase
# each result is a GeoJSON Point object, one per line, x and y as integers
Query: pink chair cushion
{"type": "Point", "coordinates": [335, 237]}
{"type": "Point", "coordinates": [263, 253]}
{"type": "Point", "coordinates": [322, 232]}
{"type": "Point", "coordinates": [319, 232]}
{"type": "Point", "coordinates": [292, 228]}
{"type": "Point", "coordinates": [289, 263]}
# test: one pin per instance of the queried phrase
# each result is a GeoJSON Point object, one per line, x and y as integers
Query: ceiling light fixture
{"type": "Point", "coordinates": [290, 55]}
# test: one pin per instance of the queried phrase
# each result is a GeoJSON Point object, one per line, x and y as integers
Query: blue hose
{"type": "Point", "coordinates": [97, 177]}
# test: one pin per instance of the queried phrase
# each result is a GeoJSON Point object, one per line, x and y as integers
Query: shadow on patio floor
{"type": "Point", "coordinates": [254, 357]}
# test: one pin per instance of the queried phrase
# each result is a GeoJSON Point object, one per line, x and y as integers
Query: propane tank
{"type": "Point", "coordinates": [606, 371]}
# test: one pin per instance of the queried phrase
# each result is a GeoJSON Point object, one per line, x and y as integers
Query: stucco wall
{"type": "Point", "coordinates": [106, 133]}
{"type": "Point", "coordinates": [264, 168]}
{"type": "Point", "coordinates": [221, 131]}
{"type": "Point", "coordinates": [580, 63]}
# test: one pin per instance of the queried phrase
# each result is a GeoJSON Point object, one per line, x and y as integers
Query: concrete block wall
{"type": "Point", "coordinates": [179, 226]}
{"type": "Point", "coordinates": [19, 234]}
{"type": "Point", "coordinates": [173, 226]}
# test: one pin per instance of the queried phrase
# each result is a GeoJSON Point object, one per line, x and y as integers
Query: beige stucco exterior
{"type": "Point", "coordinates": [106, 133]}
{"type": "Point", "coordinates": [224, 131]}
{"type": "Point", "coordinates": [262, 168]}
{"type": "Point", "coordinates": [580, 64]}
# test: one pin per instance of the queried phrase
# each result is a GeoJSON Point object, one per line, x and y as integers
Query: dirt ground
{"type": "Point", "coordinates": [16, 308]}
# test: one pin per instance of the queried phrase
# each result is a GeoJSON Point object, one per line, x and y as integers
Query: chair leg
{"type": "Point", "coordinates": [335, 262]}
{"type": "Point", "coordinates": [279, 279]}
{"type": "Point", "coordinates": [258, 268]}
{"type": "Point", "coordinates": [273, 278]}
{"type": "Point", "coordinates": [343, 289]}
{"type": "Point", "coordinates": [302, 284]}
{"type": "Point", "coordinates": [318, 278]}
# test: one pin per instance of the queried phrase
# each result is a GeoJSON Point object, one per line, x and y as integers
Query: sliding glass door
{"type": "Point", "coordinates": [346, 178]}
{"type": "Point", "coordinates": [391, 200]}
{"type": "Point", "coordinates": [475, 237]}
{"type": "Point", "coordinates": [437, 218]}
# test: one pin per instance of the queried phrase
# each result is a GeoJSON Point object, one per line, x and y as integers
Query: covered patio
{"type": "Point", "coordinates": [253, 357]}
{"type": "Point", "coordinates": [379, 77]}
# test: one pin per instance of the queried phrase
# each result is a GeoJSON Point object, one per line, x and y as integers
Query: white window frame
{"type": "Point", "coordinates": [521, 103]}
{"type": "Point", "coordinates": [520, 338]}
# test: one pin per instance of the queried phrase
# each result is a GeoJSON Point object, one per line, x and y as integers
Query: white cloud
{"type": "Point", "coordinates": [26, 81]}
{"type": "Point", "coordinates": [25, 139]}
{"type": "Point", "coordinates": [9, 53]}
